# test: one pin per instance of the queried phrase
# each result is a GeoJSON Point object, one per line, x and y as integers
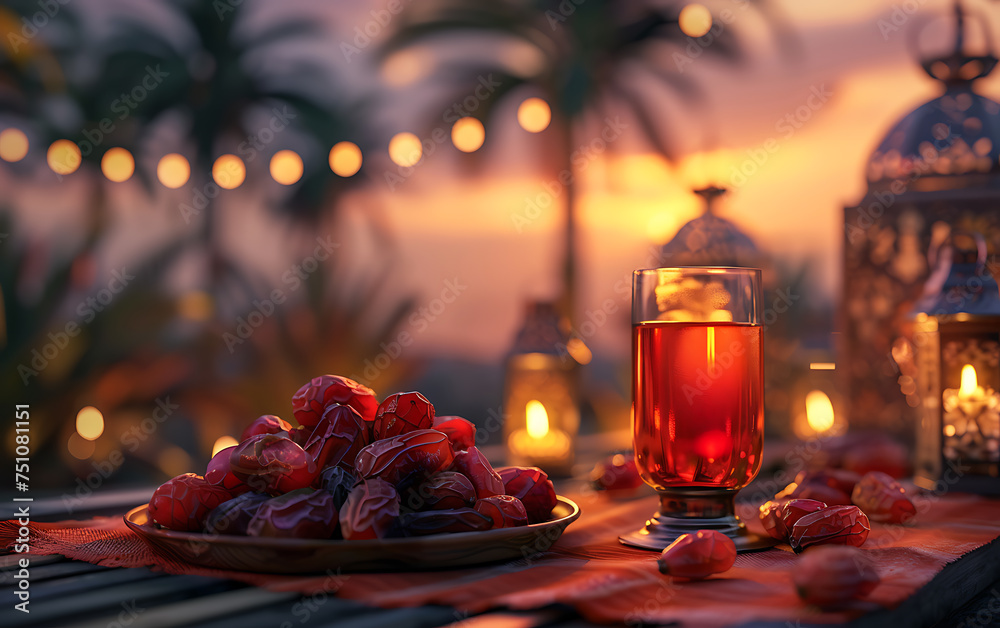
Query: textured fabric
{"type": "Point", "coordinates": [589, 570]}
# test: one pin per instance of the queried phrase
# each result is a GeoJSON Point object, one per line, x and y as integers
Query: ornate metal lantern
{"type": "Point", "coordinates": [541, 396]}
{"type": "Point", "coordinates": [957, 338]}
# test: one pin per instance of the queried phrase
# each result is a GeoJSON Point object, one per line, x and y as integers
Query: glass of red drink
{"type": "Point", "coordinates": [697, 398]}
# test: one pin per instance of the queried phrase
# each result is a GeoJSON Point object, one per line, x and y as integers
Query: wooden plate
{"type": "Point", "coordinates": [439, 551]}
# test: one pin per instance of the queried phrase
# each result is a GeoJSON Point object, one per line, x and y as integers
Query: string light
{"type": "Point", "coordinates": [117, 165]}
{"type": "Point", "coordinates": [468, 134]}
{"type": "Point", "coordinates": [13, 145]}
{"type": "Point", "coordinates": [345, 159]}
{"type": "Point", "coordinates": [286, 167]}
{"type": "Point", "coordinates": [695, 20]}
{"type": "Point", "coordinates": [173, 170]}
{"type": "Point", "coordinates": [405, 149]}
{"type": "Point", "coordinates": [90, 423]}
{"type": "Point", "coordinates": [229, 171]}
{"type": "Point", "coordinates": [64, 157]}
{"type": "Point", "coordinates": [534, 115]}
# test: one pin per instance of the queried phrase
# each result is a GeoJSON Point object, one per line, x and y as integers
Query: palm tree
{"type": "Point", "coordinates": [583, 49]}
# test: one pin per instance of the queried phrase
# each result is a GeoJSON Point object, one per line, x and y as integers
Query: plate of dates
{"type": "Point", "coordinates": [358, 485]}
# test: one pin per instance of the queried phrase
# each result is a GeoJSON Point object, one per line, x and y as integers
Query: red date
{"type": "Point", "coordinates": [219, 473]}
{"type": "Point", "coordinates": [370, 511]}
{"type": "Point", "coordinates": [616, 474]}
{"type": "Point", "coordinates": [445, 491]}
{"type": "Point", "coordinates": [400, 413]}
{"type": "Point", "coordinates": [833, 575]}
{"type": "Point", "coordinates": [312, 399]}
{"type": "Point", "coordinates": [770, 514]}
{"type": "Point", "coordinates": [421, 453]}
{"type": "Point", "coordinates": [505, 511]}
{"type": "Point", "coordinates": [271, 464]}
{"type": "Point", "coordinates": [698, 555]}
{"type": "Point", "coordinates": [337, 438]}
{"type": "Point", "coordinates": [442, 521]}
{"type": "Point", "coordinates": [474, 465]}
{"type": "Point", "coordinates": [182, 503]}
{"type": "Point", "coordinates": [233, 516]}
{"type": "Point", "coordinates": [836, 525]}
{"type": "Point", "coordinates": [338, 482]}
{"type": "Point", "coordinates": [300, 514]}
{"type": "Point", "coordinates": [266, 424]}
{"type": "Point", "coordinates": [461, 432]}
{"type": "Point", "coordinates": [533, 487]}
{"type": "Point", "coordinates": [883, 499]}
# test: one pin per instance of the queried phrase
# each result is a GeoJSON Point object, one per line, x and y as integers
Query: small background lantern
{"type": "Point", "coordinates": [957, 339]}
{"type": "Point", "coordinates": [541, 393]}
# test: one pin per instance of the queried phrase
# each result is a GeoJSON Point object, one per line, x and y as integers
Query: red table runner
{"type": "Point", "coordinates": [589, 570]}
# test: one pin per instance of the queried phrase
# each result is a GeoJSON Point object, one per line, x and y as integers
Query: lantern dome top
{"type": "Point", "coordinates": [957, 133]}
{"type": "Point", "coordinates": [710, 240]}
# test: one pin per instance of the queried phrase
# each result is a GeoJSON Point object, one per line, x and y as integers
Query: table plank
{"type": "Point", "coordinates": [49, 571]}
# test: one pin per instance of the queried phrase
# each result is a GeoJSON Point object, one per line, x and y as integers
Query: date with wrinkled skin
{"type": "Point", "coordinates": [836, 525]}
{"type": "Point", "coordinates": [445, 491]}
{"type": "Point", "coordinates": [400, 413]}
{"type": "Point", "coordinates": [698, 555]}
{"type": "Point", "coordinates": [338, 482]}
{"type": "Point", "coordinates": [311, 400]}
{"type": "Point", "coordinates": [233, 516]}
{"type": "Point", "coordinates": [832, 575]}
{"type": "Point", "coordinates": [770, 514]}
{"type": "Point", "coordinates": [795, 509]}
{"type": "Point", "coordinates": [474, 465]}
{"type": "Point", "coordinates": [218, 473]}
{"type": "Point", "coordinates": [300, 514]}
{"type": "Point", "coordinates": [883, 499]}
{"type": "Point", "coordinates": [616, 474]}
{"type": "Point", "coordinates": [182, 503]}
{"type": "Point", "coordinates": [266, 424]}
{"type": "Point", "coordinates": [533, 487]}
{"type": "Point", "coordinates": [271, 464]}
{"type": "Point", "coordinates": [506, 511]}
{"type": "Point", "coordinates": [371, 510]}
{"type": "Point", "coordinates": [461, 432]}
{"type": "Point", "coordinates": [409, 457]}
{"type": "Point", "coordinates": [443, 521]}
{"type": "Point", "coordinates": [338, 437]}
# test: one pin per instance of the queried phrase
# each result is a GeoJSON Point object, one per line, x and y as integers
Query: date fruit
{"type": "Point", "coordinates": [445, 491]}
{"type": "Point", "coordinates": [370, 511]}
{"type": "Point", "coordinates": [233, 516]}
{"type": "Point", "coordinates": [474, 465]}
{"type": "Point", "coordinates": [441, 521]}
{"type": "Point", "coordinates": [266, 424]}
{"type": "Point", "coordinates": [698, 555]}
{"type": "Point", "coordinates": [833, 575]}
{"type": "Point", "coordinates": [770, 514]}
{"type": "Point", "coordinates": [410, 456]}
{"type": "Point", "coordinates": [616, 474]}
{"type": "Point", "coordinates": [182, 503]}
{"type": "Point", "coordinates": [837, 525]}
{"type": "Point", "coordinates": [312, 399]}
{"type": "Point", "coordinates": [533, 487]}
{"type": "Point", "coordinates": [461, 432]}
{"type": "Point", "coordinates": [795, 509]}
{"type": "Point", "coordinates": [338, 482]}
{"type": "Point", "coordinates": [400, 413]}
{"type": "Point", "coordinates": [301, 514]}
{"type": "Point", "coordinates": [219, 473]}
{"type": "Point", "coordinates": [883, 499]}
{"type": "Point", "coordinates": [271, 464]}
{"type": "Point", "coordinates": [337, 438]}
{"type": "Point", "coordinates": [505, 511]}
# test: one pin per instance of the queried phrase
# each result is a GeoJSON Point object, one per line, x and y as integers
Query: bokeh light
{"type": "Point", "coordinates": [80, 448]}
{"type": "Point", "coordinates": [405, 149]}
{"type": "Point", "coordinates": [90, 423]}
{"type": "Point", "coordinates": [534, 115]}
{"type": "Point", "coordinates": [63, 157]}
{"type": "Point", "coordinates": [695, 20]}
{"type": "Point", "coordinates": [173, 170]}
{"type": "Point", "coordinates": [13, 145]}
{"type": "Point", "coordinates": [117, 165]}
{"type": "Point", "coordinates": [286, 167]}
{"type": "Point", "coordinates": [468, 134]}
{"type": "Point", "coordinates": [174, 461]}
{"type": "Point", "coordinates": [229, 171]}
{"type": "Point", "coordinates": [345, 159]}
{"type": "Point", "coordinates": [195, 305]}
{"type": "Point", "coordinates": [222, 442]}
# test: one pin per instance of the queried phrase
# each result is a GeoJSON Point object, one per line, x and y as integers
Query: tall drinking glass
{"type": "Point", "coordinates": [697, 398]}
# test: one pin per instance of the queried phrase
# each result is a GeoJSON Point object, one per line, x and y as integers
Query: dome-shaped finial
{"type": "Point", "coordinates": [958, 67]}
{"type": "Point", "coordinates": [710, 194]}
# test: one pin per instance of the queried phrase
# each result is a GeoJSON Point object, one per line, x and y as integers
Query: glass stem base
{"type": "Point", "coordinates": [687, 510]}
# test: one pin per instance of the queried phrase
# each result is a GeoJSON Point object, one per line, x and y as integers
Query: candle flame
{"type": "Point", "coordinates": [819, 411]}
{"type": "Point", "coordinates": [537, 419]}
{"type": "Point", "coordinates": [969, 383]}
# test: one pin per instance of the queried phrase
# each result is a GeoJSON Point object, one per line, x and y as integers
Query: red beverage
{"type": "Point", "coordinates": [697, 403]}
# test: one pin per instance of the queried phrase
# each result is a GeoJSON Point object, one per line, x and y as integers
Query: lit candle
{"type": "Point", "coordinates": [538, 442]}
{"type": "Point", "coordinates": [970, 393]}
